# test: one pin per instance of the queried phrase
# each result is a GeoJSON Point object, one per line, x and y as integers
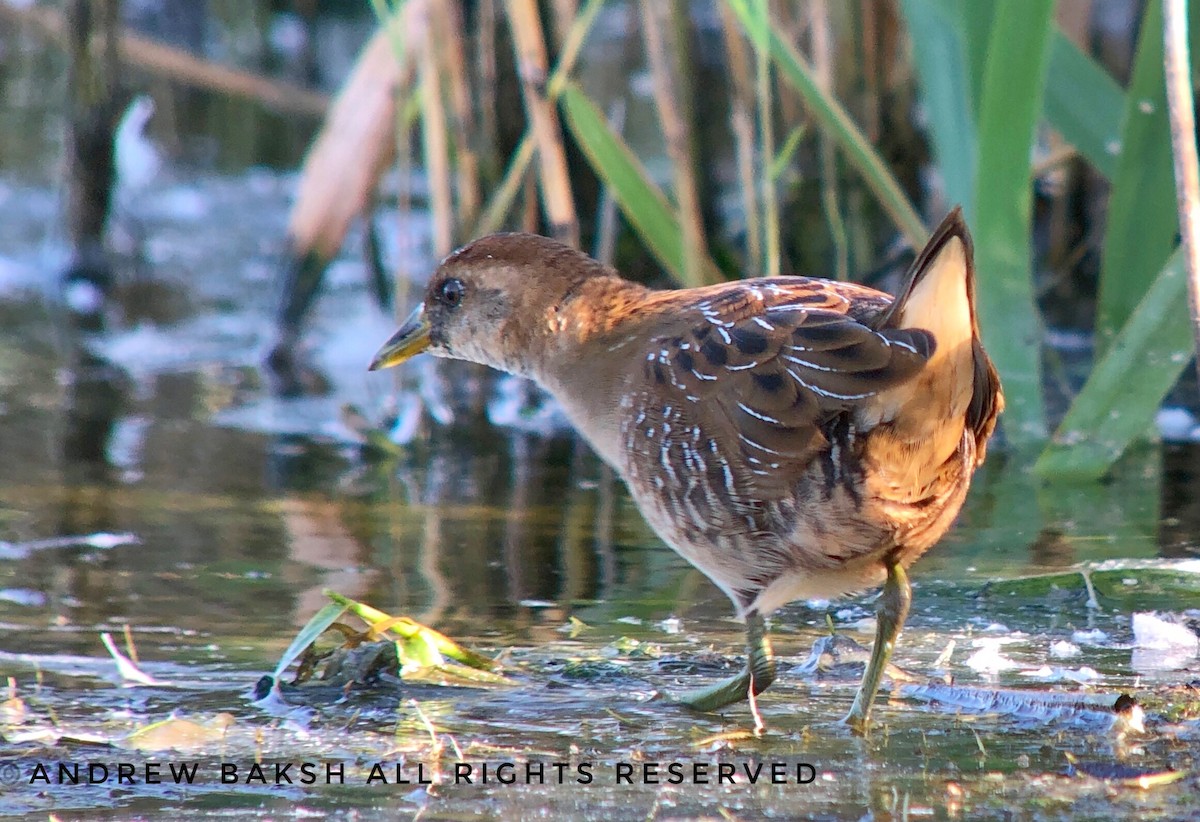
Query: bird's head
{"type": "Point", "coordinates": [493, 302]}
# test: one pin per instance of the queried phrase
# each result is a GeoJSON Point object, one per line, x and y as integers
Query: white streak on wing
{"type": "Point", "coordinates": [807, 364]}
{"type": "Point", "coordinates": [665, 458]}
{"type": "Point", "coordinates": [760, 447]}
{"type": "Point", "coordinates": [728, 476]}
{"type": "Point", "coordinates": [724, 334]}
{"type": "Point", "coordinates": [742, 367]}
{"type": "Point", "coordinates": [825, 393]}
{"type": "Point", "coordinates": [706, 377]}
{"type": "Point", "coordinates": [900, 343]}
{"type": "Point", "coordinates": [757, 414]}
{"type": "Point", "coordinates": [763, 323]}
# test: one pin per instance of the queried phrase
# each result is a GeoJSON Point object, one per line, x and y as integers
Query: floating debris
{"type": "Point", "coordinates": [180, 734]}
{"type": "Point", "coordinates": [988, 659]}
{"type": "Point", "coordinates": [1159, 632]}
{"type": "Point", "coordinates": [1064, 650]}
{"type": "Point", "coordinates": [1050, 707]}
{"type": "Point", "coordinates": [126, 667]}
{"type": "Point", "coordinates": [394, 646]}
{"type": "Point", "coordinates": [102, 540]}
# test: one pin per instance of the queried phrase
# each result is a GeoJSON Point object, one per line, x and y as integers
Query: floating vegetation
{"type": "Point", "coordinates": [389, 645]}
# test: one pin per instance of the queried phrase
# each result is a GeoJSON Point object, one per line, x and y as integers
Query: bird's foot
{"type": "Point", "coordinates": [717, 695]}
{"type": "Point", "coordinates": [893, 610]}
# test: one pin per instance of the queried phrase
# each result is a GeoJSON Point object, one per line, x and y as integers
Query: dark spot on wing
{"type": "Point", "coordinates": [809, 298]}
{"type": "Point", "coordinates": [821, 330]}
{"type": "Point", "coordinates": [714, 352]}
{"type": "Point", "coordinates": [748, 341]}
{"type": "Point", "coordinates": [770, 382]}
{"type": "Point", "coordinates": [684, 360]}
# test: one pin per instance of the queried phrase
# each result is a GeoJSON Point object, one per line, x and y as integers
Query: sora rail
{"type": "Point", "coordinates": [790, 437]}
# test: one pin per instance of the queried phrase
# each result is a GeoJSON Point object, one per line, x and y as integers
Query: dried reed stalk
{"type": "Point", "coordinates": [176, 64]}
{"type": "Point", "coordinates": [435, 147]}
{"type": "Point", "coordinates": [868, 13]}
{"type": "Point", "coordinates": [766, 131]}
{"type": "Point", "coordinates": [562, 13]}
{"type": "Point", "coordinates": [532, 66]}
{"type": "Point", "coordinates": [1180, 103]}
{"type": "Point", "coordinates": [502, 199]}
{"type": "Point", "coordinates": [355, 145]}
{"type": "Point", "coordinates": [677, 131]}
{"type": "Point", "coordinates": [821, 37]}
{"type": "Point", "coordinates": [447, 28]}
{"type": "Point", "coordinates": [606, 214]}
{"type": "Point", "coordinates": [485, 77]}
{"type": "Point", "coordinates": [742, 122]}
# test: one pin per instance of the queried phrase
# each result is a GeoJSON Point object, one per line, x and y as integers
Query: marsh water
{"type": "Point", "coordinates": [152, 482]}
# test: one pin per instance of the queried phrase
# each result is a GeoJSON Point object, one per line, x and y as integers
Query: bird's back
{"type": "Point", "coordinates": [783, 434]}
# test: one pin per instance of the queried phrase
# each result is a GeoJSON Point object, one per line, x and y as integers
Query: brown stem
{"type": "Point", "coordinates": [677, 131]}
{"type": "Point", "coordinates": [532, 66]}
{"type": "Point", "coordinates": [1183, 143]}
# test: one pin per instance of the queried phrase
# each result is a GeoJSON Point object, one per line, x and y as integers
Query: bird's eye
{"type": "Point", "coordinates": [451, 292]}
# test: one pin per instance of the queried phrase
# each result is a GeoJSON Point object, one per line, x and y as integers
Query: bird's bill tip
{"type": "Point", "coordinates": [410, 340]}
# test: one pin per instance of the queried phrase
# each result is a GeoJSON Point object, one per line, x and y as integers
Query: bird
{"type": "Point", "coordinates": [136, 158]}
{"type": "Point", "coordinates": [791, 437]}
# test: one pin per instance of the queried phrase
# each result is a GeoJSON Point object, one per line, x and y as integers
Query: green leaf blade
{"type": "Point", "coordinates": [833, 118]}
{"type": "Point", "coordinates": [1127, 385]}
{"type": "Point", "coordinates": [642, 202]}
{"type": "Point", "coordinates": [943, 69]}
{"type": "Point", "coordinates": [1141, 224]}
{"type": "Point", "coordinates": [1009, 110]}
{"type": "Point", "coordinates": [1085, 104]}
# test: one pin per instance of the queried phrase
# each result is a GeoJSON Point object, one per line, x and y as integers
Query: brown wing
{"type": "Point", "coordinates": [744, 387]}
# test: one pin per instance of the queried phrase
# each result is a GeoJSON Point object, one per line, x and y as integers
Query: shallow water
{"type": "Point", "coordinates": [240, 507]}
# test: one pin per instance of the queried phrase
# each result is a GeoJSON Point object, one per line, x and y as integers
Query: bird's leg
{"type": "Point", "coordinates": [892, 611]}
{"type": "Point", "coordinates": [756, 678]}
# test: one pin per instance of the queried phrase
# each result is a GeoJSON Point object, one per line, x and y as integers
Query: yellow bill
{"type": "Point", "coordinates": [410, 340]}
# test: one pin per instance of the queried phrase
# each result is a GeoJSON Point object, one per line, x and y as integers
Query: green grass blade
{"type": "Point", "coordinates": [1085, 104]}
{"type": "Point", "coordinates": [977, 20]}
{"type": "Point", "coordinates": [502, 199]}
{"type": "Point", "coordinates": [1141, 224]}
{"type": "Point", "coordinates": [313, 629]}
{"type": "Point", "coordinates": [408, 629]}
{"type": "Point", "coordinates": [1009, 109]}
{"type": "Point", "coordinates": [1126, 386]}
{"type": "Point", "coordinates": [783, 157]}
{"type": "Point", "coordinates": [940, 53]}
{"type": "Point", "coordinates": [642, 202]}
{"type": "Point", "coordinates": [829, 113]}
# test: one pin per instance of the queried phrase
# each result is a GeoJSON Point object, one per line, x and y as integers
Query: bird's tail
{"type": "Point", "coordinates": [958, 389]}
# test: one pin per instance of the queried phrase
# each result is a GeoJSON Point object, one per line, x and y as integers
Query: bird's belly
{"type": "Point", "coordinates": [816, 545]}
{"type": "Point", "coordinates": [824, 551]}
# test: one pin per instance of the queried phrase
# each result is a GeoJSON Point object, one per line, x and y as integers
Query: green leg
{"type": "Point", "coordinates": [759, 673]}
{"type": "Point", "coordinates": [892, 610]}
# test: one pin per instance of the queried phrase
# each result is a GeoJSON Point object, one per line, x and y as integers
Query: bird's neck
{"type": "Point", "coordinates": [587, 361]}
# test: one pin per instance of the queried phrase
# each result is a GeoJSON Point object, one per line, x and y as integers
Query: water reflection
{"type": "Point", "coordinates": [247, 506]}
